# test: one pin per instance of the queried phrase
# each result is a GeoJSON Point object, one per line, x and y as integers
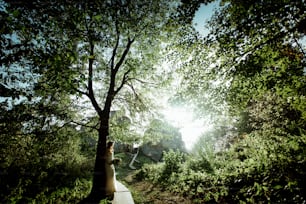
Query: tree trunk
{"type": "Point", "coordinates": [98, 191]}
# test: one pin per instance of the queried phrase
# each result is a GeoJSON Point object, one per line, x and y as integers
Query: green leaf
{"type": "Point", "coordinates": [277, 187]}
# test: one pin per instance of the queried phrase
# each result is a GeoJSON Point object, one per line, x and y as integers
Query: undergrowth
{"type": "Point", "coordinates": [257, 169]}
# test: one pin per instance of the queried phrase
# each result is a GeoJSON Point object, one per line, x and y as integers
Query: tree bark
{"type": "Point", "coordinates": [98, 190]}
{"type": "Point", "coordinates": [99, 177]}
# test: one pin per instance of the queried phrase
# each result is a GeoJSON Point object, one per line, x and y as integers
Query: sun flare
{"type": "Point", "coordinates": [190, 127]}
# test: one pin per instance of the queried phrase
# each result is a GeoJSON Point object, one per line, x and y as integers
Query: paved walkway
{"type": "Point", "coordinates": [122, 195]}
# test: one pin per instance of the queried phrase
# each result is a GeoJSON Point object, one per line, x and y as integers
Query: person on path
{"type": "Point", "coordinates": [110, 169]}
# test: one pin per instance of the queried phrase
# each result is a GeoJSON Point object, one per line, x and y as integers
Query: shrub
{"type": "Point", "coordinates": [261, 168]}
{"type": "Point", "coordinates": [151, 172]}
{"type": "Point", "coordinates": [200, 164]}
{"type": "Point", "coordinates": [173, 161]}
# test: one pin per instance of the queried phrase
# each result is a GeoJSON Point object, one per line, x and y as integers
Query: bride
{"type": "Point", "coordinates": [110, 169]}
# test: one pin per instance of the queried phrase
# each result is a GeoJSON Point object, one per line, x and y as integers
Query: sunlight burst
{"type": "Point", "coordinates": [190, 127]}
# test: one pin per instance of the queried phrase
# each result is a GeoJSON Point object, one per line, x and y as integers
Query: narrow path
{"type": "Point", "coordinates": [122, 195]}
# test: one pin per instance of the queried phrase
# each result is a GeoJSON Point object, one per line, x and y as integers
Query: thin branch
{"type": "Point", "coordinates": [300, 47]}
{"type": "Point", "coordinates": [135, 93]}
{"type": "Point", "coordinates": [123, 81]}
{"type": "Point", "coordinates": [132, 88]}
{"type": "Point", "coordinates": [79, 91]}
{"type": "Point", "coordinates": [141, 81]}
{"type": "Point", "coordinates": [116, 47]}
{"type": "Point", "coordinates": [118, 98]}
{"type": "Point", "coordinates": [85, 125]}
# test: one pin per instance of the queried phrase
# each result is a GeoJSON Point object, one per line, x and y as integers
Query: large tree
{"type": "Point", "coordinates": [120, 44]}
{"type": "Point", "coordinates": [104, 51]}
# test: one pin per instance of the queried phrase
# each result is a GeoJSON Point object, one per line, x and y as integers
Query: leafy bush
{"type": "Point", "coordinates": [173, 161]}
{"type": "Point", "coordinates": [261, 168]}
{"type": "Point", "coordinates": [44, 171]}
{"type": "Point", "coordinates": [151, 172]}
{"type": "Point", "coordinates": [160, 173]}
{"type": "Point", "coordinates": [200, 164]}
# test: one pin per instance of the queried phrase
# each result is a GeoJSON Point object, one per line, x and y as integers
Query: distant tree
{"type": "Point", "coordinates": [161, 132]}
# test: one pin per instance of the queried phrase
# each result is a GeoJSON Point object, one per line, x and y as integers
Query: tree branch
{"type": "Point", "coordinates": [91, 95]}
{"type": "Point", "coordinates": [85, 125]}
{"type": "Point", "coordinates": [123, 56]}
{"type": "Point", "coordinates": [79, 91]}
{"type": "Point", "coordinates": [135, 94]}
{"type": "Point", "coordinates": [300, 47]}
{"type": "Point", "coordinates": [116, 47]}
{"type": "Point", "coordinates": [123, 81]}
{"type": "Point", "coordinates": [142, 81]}
{"type": "Point", "coordinates": [111, 91]}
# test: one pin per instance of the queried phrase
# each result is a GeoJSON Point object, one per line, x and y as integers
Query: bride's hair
{"type": "Point", "coordinates": [109, 144]}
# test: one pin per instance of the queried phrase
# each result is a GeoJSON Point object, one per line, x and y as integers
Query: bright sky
{"type": "Point", "coordinates": [203, 15]}
{"type": "Point", "coordinates": [190, 127]}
